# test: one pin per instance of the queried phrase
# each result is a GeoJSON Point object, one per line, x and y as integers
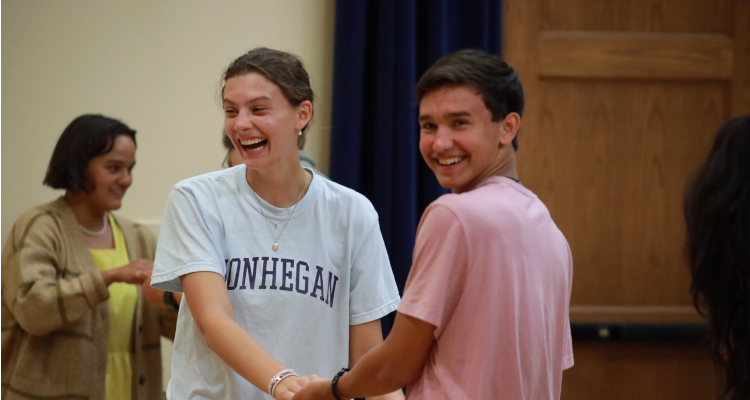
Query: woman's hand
{"type": "Point", "coordinates": [319, 389]}
{"type": "Point", "coordinates": [152, 294]}
{"type": "Point", "coordinates": [135, 272]}
{"type": "Point", "coordinates": [289, 386]}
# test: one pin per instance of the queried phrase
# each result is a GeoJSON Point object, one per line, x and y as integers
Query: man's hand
{"type": "Point", "coordinates": [289, 386]}
{"type": "Point", "coordinates": [319, 389]}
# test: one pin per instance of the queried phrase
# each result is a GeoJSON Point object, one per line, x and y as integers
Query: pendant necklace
{"type": "Point", "coordinates": [299, 197]}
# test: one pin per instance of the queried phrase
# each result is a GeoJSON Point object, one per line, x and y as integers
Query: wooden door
{"type": "Point", "coordinates": [623, 99]}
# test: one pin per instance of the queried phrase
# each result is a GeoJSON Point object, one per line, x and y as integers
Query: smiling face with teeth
{"type": "Point", "coordinates": [460, 142]}
{"type": "Point", "coordinates": [261, 123]}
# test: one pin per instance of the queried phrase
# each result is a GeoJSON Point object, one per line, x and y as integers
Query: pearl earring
{"type": "Point", "coordinates": [300, 132]}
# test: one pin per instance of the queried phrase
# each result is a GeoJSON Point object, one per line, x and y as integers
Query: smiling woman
{"type": "Point", "coordinates": [74, 325]}
{"type": "Point", "coordinates": [280, 268]}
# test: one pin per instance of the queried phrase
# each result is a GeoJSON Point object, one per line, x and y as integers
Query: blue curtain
{"type": "Point", "coordinates": [382, 48]}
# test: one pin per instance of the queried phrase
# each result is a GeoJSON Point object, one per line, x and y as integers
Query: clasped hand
{"type": "Point", "coordinates": [135, 272]}
{"type": "Point", "coordinates": [138, 272]}
{"type": "Point", "coordinates": [315, 389]}
{"type": "Point", "coordinates": [288, 388]}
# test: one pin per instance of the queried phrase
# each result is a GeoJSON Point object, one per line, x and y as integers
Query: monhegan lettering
{"type": "Point", "coordinates": [285, 274]}
{"type": "Point", "coordinates": [304, 278]}
{"type": "Point", "coordinates": [318, 284]}
{"type": "Point", "coordinates": [230, 285]}
{"type": "Point", "coordinates": [246, 270]}
{"type": "Point", "coordinates": [241, 274]}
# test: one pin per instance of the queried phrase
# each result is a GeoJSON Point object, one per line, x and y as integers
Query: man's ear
{"type": "Point", "coordinates": [509, 128]}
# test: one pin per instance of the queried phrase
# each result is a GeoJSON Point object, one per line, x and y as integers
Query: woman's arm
{"type": "Point", "coordinates": [135, 272]}
{"type": "Point", "coordinates": [395, 363]}
{"type": "Point", "coordinates": [213, 314]}
{"type": "Point", "coordinates": [42, 297]}
{"type": "Point", "coordinates": [156, 296]}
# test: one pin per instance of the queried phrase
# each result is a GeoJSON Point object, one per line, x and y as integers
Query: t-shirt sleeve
{"type": "Point", "coordinates": [373, 292]}
{"type": "Point", "coordinates": [438, 271]}
{"type": "Point", "coordinates": [568, 343]}
{"type": "Point", "coordinates": [186, 241]}
{"type": "Point", "coordinates": [568, 357]}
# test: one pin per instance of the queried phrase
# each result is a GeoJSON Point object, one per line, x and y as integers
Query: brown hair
{"type": "Point", "coordinates": [497, 81]}
{"type": "Point", "coordinates": [717, 216]}
{"type": "Point", "coordinates": [284, 69]}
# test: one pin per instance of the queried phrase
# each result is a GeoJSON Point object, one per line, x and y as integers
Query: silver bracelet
{"type": "Point", "coordinates": [278, 378]}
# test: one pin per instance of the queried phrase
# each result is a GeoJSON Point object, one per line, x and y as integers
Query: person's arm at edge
{"type": "Point", "coordinates": [363, 338]}
{"type": "Point", "coordinates": [156, 296]}
{"type": "Point", "coordinates": [213, 314]}
{"type": "Point", "coordinates": [393, 364]}
{"type": "Point", "coordinates": [36, 295]}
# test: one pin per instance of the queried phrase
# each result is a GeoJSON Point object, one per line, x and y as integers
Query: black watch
{"type": "Point", "coordinates": [170, 302]}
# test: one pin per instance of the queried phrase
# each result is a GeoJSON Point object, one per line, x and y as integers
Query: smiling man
{"type": "Point", "coordinates": [485, 309]}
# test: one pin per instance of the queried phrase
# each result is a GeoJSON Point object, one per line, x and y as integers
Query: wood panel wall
{"type": "Point", "coordinates": [623, 100]}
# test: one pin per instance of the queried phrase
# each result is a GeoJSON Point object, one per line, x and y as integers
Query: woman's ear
{"type": "Point", "coordinates": [509, 128]}
{"type": "Point", "coordinates": [304, 114]}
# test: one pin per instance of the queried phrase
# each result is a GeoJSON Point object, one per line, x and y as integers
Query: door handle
{"type": "Point", "coordinates": [639, 332]}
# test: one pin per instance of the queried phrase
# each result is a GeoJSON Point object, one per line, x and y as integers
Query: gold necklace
{"type": "Point", "coordinates": [299, 197]}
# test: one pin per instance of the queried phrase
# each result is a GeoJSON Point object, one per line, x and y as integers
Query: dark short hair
{"type": "Point", "coordinates": [497, 81]}
{"type": "Point", "coordinates": [284, 69]}
{"type": "Point", "coordinates": [717, 215]}
{"type": "Point", "coordinates": [88, 136]}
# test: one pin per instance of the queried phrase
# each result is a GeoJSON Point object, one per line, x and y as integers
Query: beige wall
{"type": "Point", "coordinates": [154, 64]}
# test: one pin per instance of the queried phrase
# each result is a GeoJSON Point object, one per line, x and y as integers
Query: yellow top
{"type": "Point", "coordinates": [122, 302]}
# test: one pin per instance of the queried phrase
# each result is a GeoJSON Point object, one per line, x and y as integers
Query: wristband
{"type": "Point", "coordinates": [170, 302]}
{"type": "Point", "coordinates": [278, 378]}
{"type": "Point", "coordinates": [335, 383]}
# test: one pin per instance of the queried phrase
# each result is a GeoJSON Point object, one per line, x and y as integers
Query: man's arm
{"type": "Point", "coordinates": [363, 338]}
{"type": "Point", "coordinates": [391, 365]}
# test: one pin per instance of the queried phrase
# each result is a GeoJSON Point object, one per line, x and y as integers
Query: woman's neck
{"type": "Point", "coordinates": [87, 216]}
{"type": "Point", "coordinates": [281, 187]}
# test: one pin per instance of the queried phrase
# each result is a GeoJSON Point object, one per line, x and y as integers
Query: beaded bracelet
{"type": "Point", "coordinates": [278, 378]}
{"type": "Point", "coordinates": [335, 383]}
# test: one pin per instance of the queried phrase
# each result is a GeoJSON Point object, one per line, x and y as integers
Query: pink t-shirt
{"type": "Point", "coordinates": [493, 273]}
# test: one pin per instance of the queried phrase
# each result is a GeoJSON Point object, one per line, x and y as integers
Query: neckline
{"type": "Point", "coordinates": [271, 211]}
{"type": "Point", "coordinates": [501, 179]}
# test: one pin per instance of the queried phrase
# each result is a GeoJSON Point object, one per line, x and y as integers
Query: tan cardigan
{"type": "Point", "coordinates": [55, 313]}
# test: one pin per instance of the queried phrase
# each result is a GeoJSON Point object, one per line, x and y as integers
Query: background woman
{"type": "Point", "coordinates": [74, 323]}
{"type": "Point", "coordinates": [717, 213]}
{"type": "Point", "coordinates": [280, 268]}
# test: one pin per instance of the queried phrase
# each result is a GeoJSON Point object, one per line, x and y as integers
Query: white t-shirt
{"type": "Point", "coordinates": [331, 271]}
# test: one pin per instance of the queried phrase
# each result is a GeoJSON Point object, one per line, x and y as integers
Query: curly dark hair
{"type": "Point", "coordinates": [284, 69]}
{"type": "Point", "coordinates": [717, 213]}
{"type": "Point", "coordinates": [86, 137]}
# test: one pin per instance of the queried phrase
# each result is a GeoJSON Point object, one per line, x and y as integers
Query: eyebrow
{"type": "Point", "coordinates": [118, 161]}
{"type": "Point", "coordinates": [249, 101]}
{"type": "Point", "coordinates": [456, 114]}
